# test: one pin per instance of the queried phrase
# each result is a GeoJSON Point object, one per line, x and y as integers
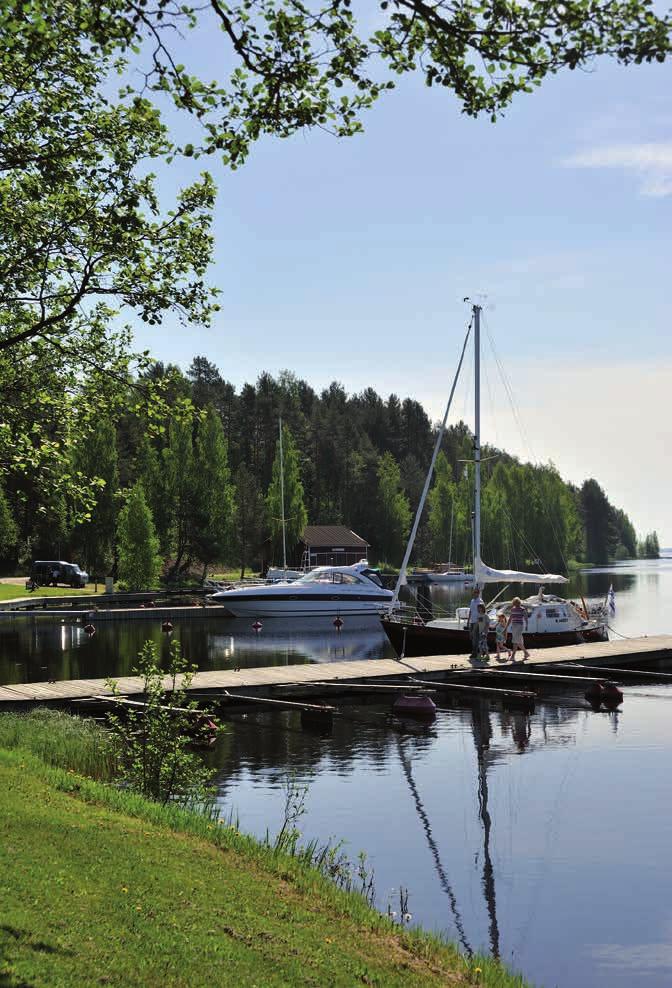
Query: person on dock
{"type": "Point", "coordinates": [483, 627]}
{"type": "Point", "coordinates": [518, 624]}
{"type": "Point", "coordinates": [476, 601]}
{"type": "Point", "coordinates": [500, 638]}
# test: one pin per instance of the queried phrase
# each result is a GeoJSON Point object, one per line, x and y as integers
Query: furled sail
{"type": "Point", "coordinates": [486, 574]}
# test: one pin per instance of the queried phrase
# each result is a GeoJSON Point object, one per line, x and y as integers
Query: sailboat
{"type": "Point", "coordinates": [551, 620]}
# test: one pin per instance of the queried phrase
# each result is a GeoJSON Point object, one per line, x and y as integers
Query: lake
{"type": "Point", "coordinates": [543, 838]}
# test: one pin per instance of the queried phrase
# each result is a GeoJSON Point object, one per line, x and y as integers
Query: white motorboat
{"type": "Point", "coordinates": [325, 590]}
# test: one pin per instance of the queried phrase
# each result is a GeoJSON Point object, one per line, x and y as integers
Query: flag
{"type": "Point", "coordinates": [611, 597]}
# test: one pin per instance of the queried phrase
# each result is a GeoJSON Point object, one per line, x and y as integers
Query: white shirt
{"type": "Point", "coordinates": [473, 609]}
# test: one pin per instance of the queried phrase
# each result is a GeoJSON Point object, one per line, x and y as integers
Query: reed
{"type": "Point", "coordinates": [59, 739]}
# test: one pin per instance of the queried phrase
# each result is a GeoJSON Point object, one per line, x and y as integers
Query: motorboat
{"type": "Point", "coordinates": [551, 620]}
{"type": "Point", "coordinates": [440, 574]}
{"type": "Point", "coordinates": [325, 590]}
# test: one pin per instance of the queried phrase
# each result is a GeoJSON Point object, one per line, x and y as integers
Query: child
{"type": "Point", "coordinates": [483, 625]}
{"type": "Point", "coordinates": [500, 637]}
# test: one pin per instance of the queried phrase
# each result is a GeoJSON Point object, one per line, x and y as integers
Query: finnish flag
{"type": "Point", "coordinates": [611, 596]}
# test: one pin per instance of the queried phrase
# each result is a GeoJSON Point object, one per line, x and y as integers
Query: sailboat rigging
{"type": "Point", "coordinates": [551, 620]}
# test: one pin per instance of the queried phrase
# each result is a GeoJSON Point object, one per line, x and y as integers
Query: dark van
{"type": "Point", "coordinates": [51, 572]}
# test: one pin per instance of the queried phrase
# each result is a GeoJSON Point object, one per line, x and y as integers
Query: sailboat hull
{"type": "Point", "coordinates": [417, 639]}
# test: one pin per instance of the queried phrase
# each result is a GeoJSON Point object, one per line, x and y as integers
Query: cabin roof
{"type": "Point", "coordinates": [332, 535]}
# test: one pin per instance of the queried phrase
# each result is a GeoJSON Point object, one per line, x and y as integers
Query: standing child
{"type": "Point", "coordinates": [500, 637]}
{"type": "Point", "coordinates": [518, 623]}
{"type": "Point", "coordinates": [483, 626]}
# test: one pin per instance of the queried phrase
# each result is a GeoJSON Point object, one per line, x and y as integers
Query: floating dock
{"type": "Point", "coordinates": [322, 678]}
{"type": "Point", "coordinates": [175, 613]}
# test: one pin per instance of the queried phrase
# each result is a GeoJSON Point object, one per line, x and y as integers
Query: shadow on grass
{"type": "Point", "coordinates": [7, 980]}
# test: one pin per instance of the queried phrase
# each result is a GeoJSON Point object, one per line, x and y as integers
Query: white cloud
{"type": "Point", "coordinates": [652, 162]}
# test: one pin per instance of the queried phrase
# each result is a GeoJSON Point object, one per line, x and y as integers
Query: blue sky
{"type": "Point", "coordinates": [349, 260]}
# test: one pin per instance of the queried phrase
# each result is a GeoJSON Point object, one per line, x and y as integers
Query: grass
{"type": "Point", "coordinates": [9, 591]}
{"type": "Point", "coordinates": [102, 887]}
{"type": "Point", "coordinates": [74, 743]}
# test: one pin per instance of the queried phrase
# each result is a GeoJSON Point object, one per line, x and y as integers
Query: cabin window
{"type": "Point", "coordinates": [552, 612]}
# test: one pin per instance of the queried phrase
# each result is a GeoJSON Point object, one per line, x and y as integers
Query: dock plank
{"type": "Point", "coordinates": [265, 679]}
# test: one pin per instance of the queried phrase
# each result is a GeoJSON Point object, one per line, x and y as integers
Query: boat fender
{"type": "Point", "coordinates": [338, 623]}
{"type": "Point", "coordinates": [89, 630]}
{"type": "Point", "coordinates": [257, 626]}
{"type": "Point", "coordinates": [611, 695]}
{"type": "Point", "coordinates": [167, 626]}
{"type": "Point", "coordinates": [604, 693]}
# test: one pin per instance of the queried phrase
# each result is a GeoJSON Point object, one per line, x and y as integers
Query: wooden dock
{"type": "Point", "coordinates": [142, 613]}
{"type": "Point", "coordinates": [312, 678]}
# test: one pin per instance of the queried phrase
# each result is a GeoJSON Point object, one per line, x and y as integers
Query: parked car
{"type": "Point", "coordinates": [51, 572]}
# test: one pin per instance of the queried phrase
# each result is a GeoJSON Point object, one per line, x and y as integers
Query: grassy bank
{"type": "Point", "coordinates": [102, 887]}
{"type": "Point", "coordinates": [10, 591]}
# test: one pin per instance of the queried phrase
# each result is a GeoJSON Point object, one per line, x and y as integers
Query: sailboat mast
{"type": "Point", "coordinates": [477, 435]}
{"type": "Point", "coordinates": [282, 502]}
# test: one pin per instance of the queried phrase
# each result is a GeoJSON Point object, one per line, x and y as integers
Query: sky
{"type": "Point", "coordinates": [349, 260]}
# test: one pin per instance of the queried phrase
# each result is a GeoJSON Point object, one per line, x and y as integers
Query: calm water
{"type": "Point", "coordinates": [545, 839]}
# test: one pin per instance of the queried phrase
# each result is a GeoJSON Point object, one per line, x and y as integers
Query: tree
{"type": "Point", "coordinates": [596, 512]}
{"type": "Point", "coordinates": [9, 532]}
{"type": "Point", "coordinates": [296, 516]}
{"type": "Point", "coordinates": [213, 494]}
{"type": "Point", "coordinates": [178, 494]}
{"type": "Point", "coordinates": [295, 66]}
{"type": "Point", "coordinates": [441, 501]}
{"type": "Point", "coordinates": [650, 547]}
{"type": "Point", "coordinates": [249, 516]}
{"type": "Point", "coordinates": [97, 457]}
{"type": "Point", "coordinates": [153, 746]}
{"type": "Point", "coordinates": [82, 234]}
{"type": "Point", "coordinates": [394, 513]}
{"type": "Point", "coordinates": [138, 546]}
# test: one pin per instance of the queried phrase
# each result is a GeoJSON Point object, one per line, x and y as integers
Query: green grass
{"type": "Point", "coordinates": [99, 886]}
{"type": "Point", "coordinates": [9, 591]}
{"type": "Point", "coordinates": [61, 740]}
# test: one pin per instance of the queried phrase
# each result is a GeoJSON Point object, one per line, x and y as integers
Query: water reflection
{"type": "Point", "coordinates": [35, 648]}
{"type": "Point", "coordinates": [515, 817]}
{"type": "Point", "coordinates": [540, 838]}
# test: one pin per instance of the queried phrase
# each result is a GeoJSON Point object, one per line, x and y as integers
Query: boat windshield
{"type": "Point", "coordinates": [324, 574]}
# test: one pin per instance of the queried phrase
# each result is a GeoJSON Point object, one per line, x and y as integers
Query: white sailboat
{"type": "Point", "coordinates": [551, 620]}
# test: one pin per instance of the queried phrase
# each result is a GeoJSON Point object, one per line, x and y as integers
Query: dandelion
{"type": "Point", "coordinates": [124, 889]}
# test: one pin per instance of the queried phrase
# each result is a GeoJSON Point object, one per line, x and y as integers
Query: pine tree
{"type": "Point", "coordinates": [178, 493]}
{"type": "Point", "coordinates": [394, 513]}
{"type": "Point", "coordinates": [249, 516]}
{"type": "Point", "coordinates": [441, 521]}
{"type": "Point", "coordinates": [138, 545]}
{"type": "Point", "coordinates": [213, 494]}
{"type": "Point", "coordinates": [296, 516]}
{"type": "Point", "coordinates": [9, 533]}
{"type": "Point", "coordinates": [98, 458]}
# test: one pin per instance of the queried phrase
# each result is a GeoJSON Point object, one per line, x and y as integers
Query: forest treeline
{"type": "Point", "coordinates": [198, 488]}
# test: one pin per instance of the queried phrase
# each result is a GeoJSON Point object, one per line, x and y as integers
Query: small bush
{"type": "Point", "coordinates": [153, 744]}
